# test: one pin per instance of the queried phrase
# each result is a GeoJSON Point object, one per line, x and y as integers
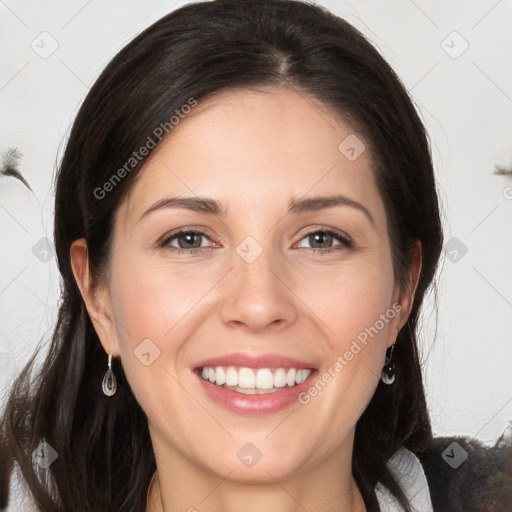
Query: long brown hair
{"type": "Point", "coordinates": [105, 458]}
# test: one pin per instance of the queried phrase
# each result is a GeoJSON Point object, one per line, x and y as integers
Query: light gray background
{"type": "Point", "coordinates": [464, 97]}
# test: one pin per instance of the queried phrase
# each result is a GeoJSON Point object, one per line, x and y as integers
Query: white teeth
{"type": "Point", "coordinates": [279, 378]}
{"type": "Point", "coordinates": [246, 378]}
{"type": "Point", "coordinates": [246, 391]}
{"type": "Point", "coordinates": [220, 376]}
{"type": "Point", "coordinates": [262, 380]}
{"type": "Point", "coordinates": [231, 377]}
{"type": "Point", "coordinates": [301, 376]}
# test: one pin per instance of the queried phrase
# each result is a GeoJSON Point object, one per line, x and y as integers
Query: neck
{"type": "Point", "coordinates": [179, 485]}
{"type": "Point", "coordinates": [352, 503]}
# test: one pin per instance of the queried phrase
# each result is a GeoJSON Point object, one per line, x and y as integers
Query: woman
{"type": "Point", "coordinates": [246, 223]}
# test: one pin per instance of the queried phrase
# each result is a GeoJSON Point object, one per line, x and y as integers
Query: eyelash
{"type": "Point", "coordinates": [346, 242]}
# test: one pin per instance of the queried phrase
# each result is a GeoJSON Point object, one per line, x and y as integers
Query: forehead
{"type": "Point", "coordinates": [258, 148]}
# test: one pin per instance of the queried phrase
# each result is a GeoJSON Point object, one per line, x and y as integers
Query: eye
{"type": "Point", "coordinates": [321, 240]}
{"type": "Point", "coordinates": [187, 241]}
{"type": "Point", "coordinates": [191, 241]}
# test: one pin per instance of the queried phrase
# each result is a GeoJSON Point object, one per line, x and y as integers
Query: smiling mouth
{"type": "Point", "coordinates": [255, 381]}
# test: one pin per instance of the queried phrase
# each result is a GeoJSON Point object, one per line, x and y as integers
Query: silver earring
{"type": "Point", "coordinates": [388, 371]}
{"type": "Point", "coordinates": [109, 384]}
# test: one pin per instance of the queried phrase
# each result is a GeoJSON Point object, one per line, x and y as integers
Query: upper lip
{"type": "Point", "coordinates": [255, 361]}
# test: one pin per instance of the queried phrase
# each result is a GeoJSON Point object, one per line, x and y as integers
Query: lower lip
{"type": "Point", "coordinates": [255, 404]}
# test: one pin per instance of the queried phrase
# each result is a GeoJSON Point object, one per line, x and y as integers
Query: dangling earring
{"type": "Point", "coordinates": [109, 384]}
{"type": "Point", "coordinates": [388, 371]}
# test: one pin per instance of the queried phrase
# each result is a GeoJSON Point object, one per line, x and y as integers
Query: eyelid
{"type": "Point", "coordinates": [344, 237]}
{"type": "Point", "coordinates": [164, 241]}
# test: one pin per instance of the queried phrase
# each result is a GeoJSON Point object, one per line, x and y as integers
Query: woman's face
{"type": "Point", "coordinates": [247, 289]}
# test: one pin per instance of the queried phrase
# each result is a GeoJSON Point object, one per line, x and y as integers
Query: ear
{"type": "Point", "coordinates": [96, 298]}
{"type": "Point", "coordinates": [406, 296]}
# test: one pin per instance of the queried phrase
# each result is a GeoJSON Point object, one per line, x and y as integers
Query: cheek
{"type": "Point", "coordinates": [150, 300]}
{"type": "Point", "coordinates": [157, 308]}
{"type": "Point", "coordinates": [350, 298]}
{"type": "Point", "coordinates": [354, 306]}
{"type": "Point", "coordinates": [145, 307]}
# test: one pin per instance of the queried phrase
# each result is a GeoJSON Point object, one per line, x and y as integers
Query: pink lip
{"type": "Point", "coordinates": [262, 361]}
{"type": "Point", "coordinates": [254, 405]}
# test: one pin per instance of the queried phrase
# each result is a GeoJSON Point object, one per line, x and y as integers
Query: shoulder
{"type": "Point", "coordinates": [20, 497]}
{"type": "Point", "coordinates": [408, 473]}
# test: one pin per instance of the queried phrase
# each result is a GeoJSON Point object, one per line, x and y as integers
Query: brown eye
{"type": "Point", "coordinates": [321, 240]}
{"type": "Point", "coordinates": [187, 241]}
{"type": "Point", "coordinates": [324, 240]}
{"type": "Point", "coordinates": [190, 240]}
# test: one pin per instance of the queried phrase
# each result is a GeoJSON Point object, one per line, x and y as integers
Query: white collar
{"type": "Point", "coordinates": [409, 474]}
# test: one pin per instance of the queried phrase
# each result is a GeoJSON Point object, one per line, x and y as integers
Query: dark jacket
{"type": "Point", "coordinates": [465, 476]}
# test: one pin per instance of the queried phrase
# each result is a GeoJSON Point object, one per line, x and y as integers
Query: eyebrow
{"type": "Point", "coordinates": [213, 207]}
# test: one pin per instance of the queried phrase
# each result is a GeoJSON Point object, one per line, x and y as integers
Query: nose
{"type": "Point", "coordinates": [256, 296]}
